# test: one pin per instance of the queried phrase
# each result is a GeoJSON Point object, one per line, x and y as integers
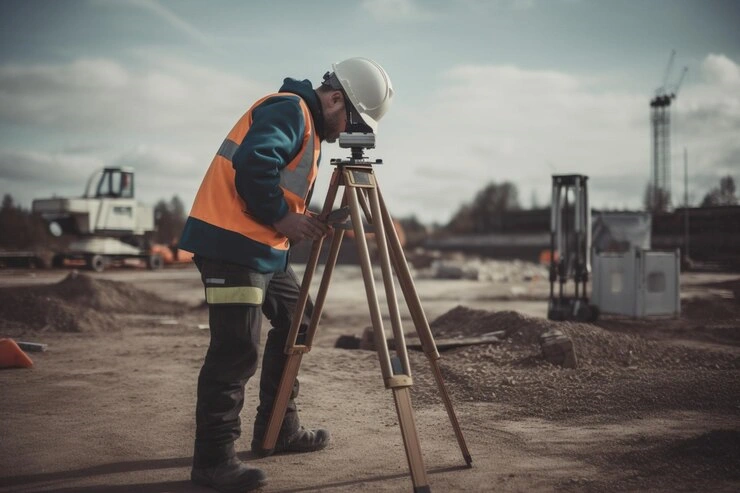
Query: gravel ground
{"type": "Point", "coordinates": [632, 377]}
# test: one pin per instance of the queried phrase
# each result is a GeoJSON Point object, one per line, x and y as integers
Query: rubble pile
{"type": "Point", "coordinates": [465, 322]}
{"type": "Point", "coordinates": [616, 372]}
{"type": "Point", "coordinates": [78, 303]}
{"type": "Point", "coordinates": [595, 346]}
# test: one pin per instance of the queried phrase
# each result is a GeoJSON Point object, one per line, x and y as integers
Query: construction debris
{"type": "Point", "coordinates": [347, 342]}
{"type": "Point", "coordinates": [534, 368]}
{"type": "Point", "coordinates": [557, 348]}
{"type": "Point", "coordinates": [412, 342]}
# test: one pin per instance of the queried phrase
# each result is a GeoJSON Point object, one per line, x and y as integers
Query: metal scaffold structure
{"type": "Point", "coordinates": [659, 198]}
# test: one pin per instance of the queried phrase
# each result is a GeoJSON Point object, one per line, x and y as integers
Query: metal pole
{"type": "Point", "coordinates": [686, 203]}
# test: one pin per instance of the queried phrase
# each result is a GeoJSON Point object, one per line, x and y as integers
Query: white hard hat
{"type": "Point", "coordinates": [367, 86]}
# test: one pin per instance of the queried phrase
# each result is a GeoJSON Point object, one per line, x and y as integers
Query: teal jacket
{"type": "Point", "coordinates": [273, 140]}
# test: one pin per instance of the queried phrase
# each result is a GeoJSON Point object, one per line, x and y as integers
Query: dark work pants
{"type": "Point", "coordinates": [233, 354]}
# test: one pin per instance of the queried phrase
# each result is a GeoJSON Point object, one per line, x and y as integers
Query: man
{"type": "Point", "coordinates": [250, 207]}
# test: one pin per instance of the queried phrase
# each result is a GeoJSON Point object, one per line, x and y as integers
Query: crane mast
{"type": "Point", "coordinates": [659, 198]}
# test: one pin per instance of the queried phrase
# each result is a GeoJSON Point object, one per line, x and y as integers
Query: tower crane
{"type": "Point", "coordinates": [660, 117]}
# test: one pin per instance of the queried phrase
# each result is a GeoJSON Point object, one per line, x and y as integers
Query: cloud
{"type": "Point", "coordinates": [503, 5]}
{"type": "Point", "coordinates": [93, 94]}
{"type": "Point", "coordinates": [413, 11]}
{"type": "Point", "coordinates": [523, 4]}
{"type": "Point", "coordinates": [476, 124]}
{"type": "Point", "coordinates": [28, 175]}
{"type": "Point", "coordinates": [161, 172]}
{"type": "Point", "coordinates": [705, 119]}
{"type": "Point", "coordinates": [505, 123]}
{"type": "Point", "coordinates": [713, 103]}
{"type": "Point", "coordinates": [165, 118]}
{"type": "Point", "coordinates": [396, 10]}
{"type": "Point", "coordinates": [167, 15]}
{"type": "Point", "coordinates": [54, 169]}
{"type": "Point", "coordinates": [720, 70]}
{"type": "Point", "coordinates": [499, 123]}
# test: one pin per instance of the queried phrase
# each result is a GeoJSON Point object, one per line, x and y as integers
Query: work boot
{"type": "Point", "coordinates": [301, 440]}
{"type": "Point", "coordinates": [231, 476]}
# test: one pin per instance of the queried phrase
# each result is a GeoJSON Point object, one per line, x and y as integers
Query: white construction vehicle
{"type": "Point", "coordinates": [111, 225]}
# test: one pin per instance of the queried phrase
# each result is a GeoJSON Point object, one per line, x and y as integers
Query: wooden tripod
{"type": "Point", "coordinates": [361, 194]}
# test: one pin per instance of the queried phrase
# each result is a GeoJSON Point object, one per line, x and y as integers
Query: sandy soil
{"type": "Point", "coordinates": [654, 405]}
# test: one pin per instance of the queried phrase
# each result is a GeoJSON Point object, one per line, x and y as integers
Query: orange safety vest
{"type": "Point", "coordinates": [217, 202]}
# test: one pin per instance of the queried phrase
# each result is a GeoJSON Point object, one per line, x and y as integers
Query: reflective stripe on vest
{"type": "Point", "coordinates": [228, 149]}
{"type": "Point", "coordinates": [296, 180]}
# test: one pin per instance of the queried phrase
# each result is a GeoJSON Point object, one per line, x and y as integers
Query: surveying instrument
{"type": "Point", "coordinates": [362, 196]}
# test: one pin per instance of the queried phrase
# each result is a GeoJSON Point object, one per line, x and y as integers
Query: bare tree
{"type": "Point", "coordinates": [19, 228]}
{"type": "Point", "coordinates": [169, 218]}
{"type": "Point", "coordinates": [722, 195]}
{"type": "Point", "coordinates": [485, 214]}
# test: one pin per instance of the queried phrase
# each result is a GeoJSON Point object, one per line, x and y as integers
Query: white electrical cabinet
{"type": "Point", "coordinates": [637, 283]}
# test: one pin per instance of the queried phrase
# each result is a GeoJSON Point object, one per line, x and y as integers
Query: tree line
{"type": "Point", "coordinates": [21, 229]}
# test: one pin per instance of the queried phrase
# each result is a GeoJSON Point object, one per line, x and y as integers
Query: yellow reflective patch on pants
{"type": "Point", "coordinates": [235, 295]}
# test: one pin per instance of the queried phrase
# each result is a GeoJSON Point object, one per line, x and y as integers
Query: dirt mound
{"type": "Point", "coordinates": [78, 303]}
{"type": "Point", "coordinates": [594, 346]}
{"type": "Point", "coordinates": [617, 372]}
{"type": "Point", "coordinates": [465, 322]}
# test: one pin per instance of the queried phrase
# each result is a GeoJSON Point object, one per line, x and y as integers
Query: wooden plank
{"type": "Point", "coordinates": [33, 347]}
{"type": "Point", "coordinates": [451, 343]}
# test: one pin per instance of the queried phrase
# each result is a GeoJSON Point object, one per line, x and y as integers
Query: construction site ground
{"type": "Point", "coordinates": [654, 404]}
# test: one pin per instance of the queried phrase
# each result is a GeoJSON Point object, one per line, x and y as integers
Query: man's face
{"type": "Point", "coordinates": [335, 117]}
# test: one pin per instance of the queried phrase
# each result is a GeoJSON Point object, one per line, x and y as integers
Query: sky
{"type": "Point", "coordinates": [485, 91]}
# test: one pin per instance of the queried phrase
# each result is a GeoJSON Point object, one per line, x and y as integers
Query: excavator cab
{"type": "Point", "coordinates": [108, 222]}
{"type": "Point", "coordinates": [108, 207]}
{"type": "Point", "coordinates": [111, 183]}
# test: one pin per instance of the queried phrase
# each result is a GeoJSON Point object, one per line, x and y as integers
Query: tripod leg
{"type": "Point", "coordinates": [397, 381]}
{"type": "Point", "coordinates": [331, 262]}
{"type": "Point", "coordinates": [390, 289]}
{"type": "Point", "coordinates": [292, 349]}
{"type": "Point", "coordinates": [420, 322]}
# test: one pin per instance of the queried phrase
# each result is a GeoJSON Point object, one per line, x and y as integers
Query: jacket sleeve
{"type": "Point", "coordinates": [273, 140]}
